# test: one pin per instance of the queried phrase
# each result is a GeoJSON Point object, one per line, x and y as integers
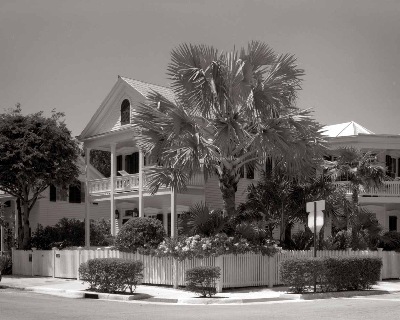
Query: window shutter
{"type": "Point", "coordinates": [83, 189]}
{"type": "Point", "coordinates": [74, 193]}
{"type": "Point", "coordinates": [53, 193]}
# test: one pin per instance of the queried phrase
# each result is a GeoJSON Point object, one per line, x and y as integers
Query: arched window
{"type": "Point", "coordinates": [125, 112]}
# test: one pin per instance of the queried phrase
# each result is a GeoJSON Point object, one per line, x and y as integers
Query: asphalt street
{"type": "Point", "coordinates": [18, 305]}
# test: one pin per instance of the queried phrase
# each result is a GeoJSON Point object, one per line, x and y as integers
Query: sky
{"type": "Point", "coordinates": [67, 54]}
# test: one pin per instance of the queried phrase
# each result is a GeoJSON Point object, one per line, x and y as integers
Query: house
{"type": "Point", "coordinates": [55, 203]}
{"type": "Point", "coordinates": [110, 130]}
{"type": "Point", "coordinates": [385, 201]}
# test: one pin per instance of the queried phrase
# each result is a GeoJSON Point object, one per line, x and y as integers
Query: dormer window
{"type": "Point", "coordinates": [125, 112]}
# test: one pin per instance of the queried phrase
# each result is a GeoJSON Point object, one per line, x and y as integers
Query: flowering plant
{"type": "Point", "coordinates": [202, 247]}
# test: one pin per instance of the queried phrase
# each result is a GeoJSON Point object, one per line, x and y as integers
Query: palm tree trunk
{"type": "Point", "coordinates": [228, 187]}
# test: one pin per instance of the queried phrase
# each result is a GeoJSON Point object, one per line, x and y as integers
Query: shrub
{"type": "Point", "coordinates": [331, 274]}
{"type": "Point", "coordinates": [5, 265]}
{"type": "Point", "coordinates": [71, 233]}
{"type": "Point", "coordinates": [301, 273]}
{"type": "Point", "coordinates": [203, 280]}
{"type": "Point", "coordinates": [111, 275]}
{"type": "Point", "coordinates": [390, 241]}
{"type": "Point", "coordinates": [140, 233]}
{"type": "Point", "coordinates": [351, 273]}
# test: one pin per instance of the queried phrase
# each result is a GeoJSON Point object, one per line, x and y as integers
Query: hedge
{"type": "Point", "coordinates": [331, 273]}
{"type": "Point", "coordinates": [111, 275]}
{"type": "Point", "coordinates": [203, 280]}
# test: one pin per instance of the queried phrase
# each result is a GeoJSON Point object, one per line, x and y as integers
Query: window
{"type": "Point", "coordinates": [119, 164]}
{"type": "Point", "coordinates": [249, 172]}
{"type": "Point", "coordinates": [125, 112]}
{"type": "Point", "coordinates": [392, 223]}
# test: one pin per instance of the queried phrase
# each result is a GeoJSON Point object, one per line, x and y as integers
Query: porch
{"type": "Point", "coordinates": [389, 189]}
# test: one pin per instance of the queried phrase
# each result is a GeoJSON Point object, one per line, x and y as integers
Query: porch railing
{"type": "Point", "coordinates": [388, 189]}
{"type": "Point", "coordinates": [130, 183]}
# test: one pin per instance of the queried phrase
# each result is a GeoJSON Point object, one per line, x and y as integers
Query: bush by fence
{"type": "Point", "coordinates": [5, 265]}
{"type": "Point", "coordinates": [331, 273]}
{"type": "Point", "coordinates": [111, 275]}
{"type": "Point", "coordinates": [203, 280]}
{"type": "Point", "coordinates": [71, 233]}
{"type": "Point", "coordinates": [140, 233]}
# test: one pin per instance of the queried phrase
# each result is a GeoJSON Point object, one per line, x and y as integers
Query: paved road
{"type": "Point", "coordinates": [18, 305]}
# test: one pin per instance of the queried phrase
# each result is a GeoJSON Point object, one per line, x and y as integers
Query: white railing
{"type": "Point", "coordinates": [388, 189]}
{"type": "Point", "coordinates": [240, 270]}
{"type": "Point", "coordinates": [130, 183]}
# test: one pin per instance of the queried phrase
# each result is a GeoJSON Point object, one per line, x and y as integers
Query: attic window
{"type": "Point", "coordinates": [125, 112]}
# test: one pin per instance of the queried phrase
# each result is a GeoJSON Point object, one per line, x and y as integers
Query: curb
{"type": "Point", "coordinates": [333, 295]}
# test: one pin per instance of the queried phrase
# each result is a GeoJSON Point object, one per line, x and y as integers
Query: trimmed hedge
{"type": "Point", "coordinates": [203, 280]}
{"type": "Point", "coordinates": [140, 233]}
{"type": "Point", "coordinates": [111, 275]}
{"type": "Point", "coordinates": [5, 265]}
{"type": "Point", "coordinates": [331, 273]}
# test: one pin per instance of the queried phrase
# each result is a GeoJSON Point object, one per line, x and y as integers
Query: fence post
{"type": "Point", "coordinates": [107, 252]}
{"type": "Point", "coordinates": [219, 262]}
{"type": "Point", "coordinates": [175, 274]}
{"type": "Point", "coordinates": [271, 272]}
{"type": "Point", "coordinates": [33, 258]}
{"type": "Point", "coordinates": [54, 261]}
{"type": "Point", "coordinates": [78, 261]}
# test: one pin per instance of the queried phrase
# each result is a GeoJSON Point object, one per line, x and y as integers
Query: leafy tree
{"type": "Point", "coordinates": [101, 160]}
{"type": "Point", "coordinates": [35, 152]}
{"type": "Point", "coordinates": [231, 110]}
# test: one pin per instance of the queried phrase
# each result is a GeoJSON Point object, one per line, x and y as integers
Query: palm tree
{"type": "Point", "coordinates": [231, 110]}
{"type": "Point", "coordinates": [361, 169]}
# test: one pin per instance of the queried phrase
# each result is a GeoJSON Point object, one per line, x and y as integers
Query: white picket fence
{"type": "Point", "coordinates": [241, 270]}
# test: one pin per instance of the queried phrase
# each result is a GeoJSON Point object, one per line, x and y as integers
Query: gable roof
{"type": "Point", "coordinates": [145, 88]}
{"type": "Point", "coordinates": [344, 129]}
{"type": "Point", "coordinates": [106, 119]}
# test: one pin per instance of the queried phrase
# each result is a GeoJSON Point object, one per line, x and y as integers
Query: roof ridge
{"type": "Point", "coordinates": [145, 82]}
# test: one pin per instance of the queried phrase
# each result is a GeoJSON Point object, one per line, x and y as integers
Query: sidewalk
{"type": "Point", "coordinates": [160, 294]}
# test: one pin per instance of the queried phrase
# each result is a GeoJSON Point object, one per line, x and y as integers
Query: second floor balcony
{"type": "Point", "coordinates": [130, 183]}
{"type": "Point", "coordinates": [388, 189]}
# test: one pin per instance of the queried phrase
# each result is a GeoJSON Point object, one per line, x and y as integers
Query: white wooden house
{"type": "Point", "coordinates": [385, 201]}
{"type": "Point", "coordinates": [110, 130]}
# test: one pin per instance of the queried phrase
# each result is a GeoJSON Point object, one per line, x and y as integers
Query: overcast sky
{"type": "Point", "coordinates": [67, 54]}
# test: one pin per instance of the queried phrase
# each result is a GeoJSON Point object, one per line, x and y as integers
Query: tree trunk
{"type": "Point", "coordinates": [19, 226]}
{"type": "Point", "coordinates": [228, 187]}
{"type": "Point", "coordinates": [26, 229]}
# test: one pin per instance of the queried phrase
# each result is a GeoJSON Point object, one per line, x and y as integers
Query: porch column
{"type": "Point", "coordinates": [165, 222]}
{"type": "Point", "coordinates": [87, 198]}
{"type": "Point", "coordinates": [112, 186]}
{"type": "Point", "coordinates": [173, 213]}
{"type": "Point", "coordinates": [141, 164]}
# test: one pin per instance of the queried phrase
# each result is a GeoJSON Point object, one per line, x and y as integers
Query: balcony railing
{"type": "Point", "coordinates": [388, 189]}
{"type": "Point", "coordinates": [130, 183]}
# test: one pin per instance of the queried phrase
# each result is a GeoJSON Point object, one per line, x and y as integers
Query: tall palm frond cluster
{"type": "Point", "coordinates": [231, 110]}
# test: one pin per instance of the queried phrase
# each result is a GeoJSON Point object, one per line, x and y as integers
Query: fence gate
{"type": "Point", "coordinates": [65, 264]}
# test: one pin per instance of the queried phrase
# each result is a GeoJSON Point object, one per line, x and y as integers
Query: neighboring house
{"type": "Point", "coordinates": [110, 130]}
{"type": "Point", "coordinates": [384, 202]}
{"type": "Point", "coordinates": [56, 203]}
